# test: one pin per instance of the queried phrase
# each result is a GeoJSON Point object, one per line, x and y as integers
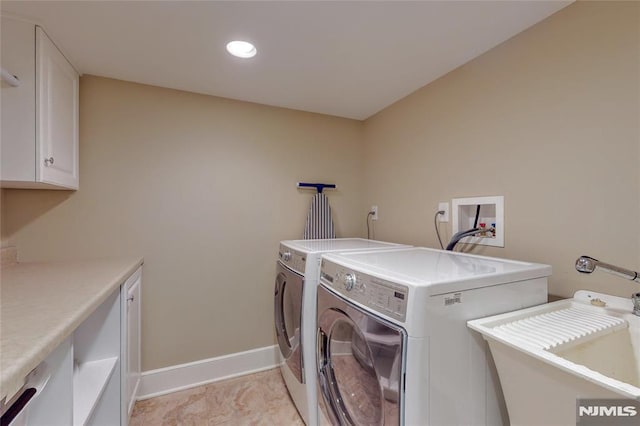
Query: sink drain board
{"type": "Point", "coordinates": [552, 329]}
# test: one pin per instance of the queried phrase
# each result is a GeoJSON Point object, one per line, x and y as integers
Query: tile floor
{"type": "Point", "coordinates": [255, 399]}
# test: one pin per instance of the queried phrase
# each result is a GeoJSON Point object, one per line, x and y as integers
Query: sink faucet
{"type": "Point", "coordinates": [588, 264]}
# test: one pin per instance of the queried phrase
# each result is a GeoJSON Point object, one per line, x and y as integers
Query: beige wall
{"type": "Point", "coordinates": [204, 189]}
{"type": "Point", "coordinates": [549, 119]}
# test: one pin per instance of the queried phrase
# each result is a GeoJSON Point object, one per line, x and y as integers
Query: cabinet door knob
{"type": "Point", "coordinates": [130, 299]}
{"type": "Point", "coordinates": [48, 161]}
{"type": "Point", "coordinates": [11, 79]}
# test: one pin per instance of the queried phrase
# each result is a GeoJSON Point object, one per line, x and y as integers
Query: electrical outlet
{"type": "Point", "coordinates": [445, 208]}
{"type": "Point", "coordinates": [374, 209]}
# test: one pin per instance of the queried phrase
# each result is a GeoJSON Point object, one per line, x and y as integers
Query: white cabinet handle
{"type": "Point", "coordinates": [10, 78]}
{"type": "Point", "coordinates": [48, 161]}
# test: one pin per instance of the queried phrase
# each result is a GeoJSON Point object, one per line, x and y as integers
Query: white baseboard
{"type": "Point", "coordinates": [184, 376]}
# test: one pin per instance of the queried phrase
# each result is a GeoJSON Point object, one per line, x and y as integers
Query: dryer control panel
{"type": "Point", "coordinates": [292, 259]}
{"type": "Point", "coordinates": [385, 297]}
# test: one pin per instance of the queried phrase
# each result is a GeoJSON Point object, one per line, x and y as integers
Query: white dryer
{"type": "Point", "coordinates": [297, 277]}
{"type": "Point", "coordinates": [393, 347]}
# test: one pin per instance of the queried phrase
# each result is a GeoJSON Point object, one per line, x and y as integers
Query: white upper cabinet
{"type": "Point", "coordinates": [18, 113]}
{"type": "Point", "coordinates": [39, 116]}
{"type": "Point", "coordinates": [57, 115]}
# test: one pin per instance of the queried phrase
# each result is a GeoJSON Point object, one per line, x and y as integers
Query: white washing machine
{"type": "Point", "coordinates": [298, 272]}
{"type": "Point", "coordinates": [393, 347]}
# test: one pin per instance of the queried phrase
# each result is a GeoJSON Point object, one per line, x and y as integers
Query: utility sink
{"type": "Point", "coordinates": [551, 355]}
{"type": "Point", "coordinates": [615, 355]}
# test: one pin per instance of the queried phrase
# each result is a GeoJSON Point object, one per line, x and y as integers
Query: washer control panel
{"type": "Point", "coordinates": [293, 259]}
{"type": "Point", "coordinates": [382, 296]}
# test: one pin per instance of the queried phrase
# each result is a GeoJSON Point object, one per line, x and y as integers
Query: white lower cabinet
{"type": "Point", "coordinates": [131, 365]}
{"type": "Point", "coordinates": [96, 366]}
{"type": "Point", "coordinates": [52, 381]}
{"type": "Point", "coordinates": [92, 377]}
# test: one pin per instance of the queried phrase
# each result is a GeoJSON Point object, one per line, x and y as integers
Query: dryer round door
{"type": "Point", "coordinates": [359, 364]}
{"type": "Point", "coordinates": [287, 314]}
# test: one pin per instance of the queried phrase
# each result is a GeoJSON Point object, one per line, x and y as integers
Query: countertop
{"type": "Point", "coordinates": [41, 304]}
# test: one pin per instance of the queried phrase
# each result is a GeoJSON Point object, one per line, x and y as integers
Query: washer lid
{"type": "Point", "coordinates": [338, 244]}
{"type": "Point", "coordinates": [440, 271]}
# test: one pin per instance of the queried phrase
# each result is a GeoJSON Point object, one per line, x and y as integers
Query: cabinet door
{"type": "Point", "coordinates": [57, 108]}
{"type": "Point", "coordinates": [133, 342]}
{"type": "Point", "coordinates": [131, 371]}
{"type": "Point", "coordinates": [18, 113]}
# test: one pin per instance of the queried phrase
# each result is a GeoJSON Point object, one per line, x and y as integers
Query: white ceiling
{"type": "Point", "coordinates": [344, 58]}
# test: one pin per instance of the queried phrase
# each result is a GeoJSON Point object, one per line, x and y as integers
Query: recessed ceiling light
{"type": "Point", "coordinates": [241, 49]}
